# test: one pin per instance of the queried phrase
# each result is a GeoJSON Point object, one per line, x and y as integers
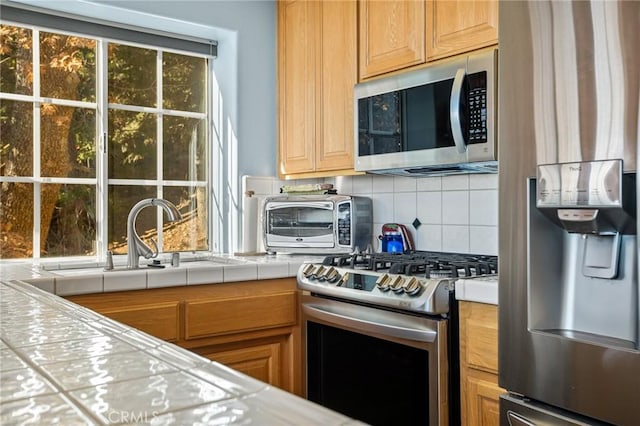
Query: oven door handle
{"type": "Point", "coordinates": [370, 325]}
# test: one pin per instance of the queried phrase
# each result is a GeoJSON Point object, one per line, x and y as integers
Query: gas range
{"type": "Point", "coordinates": [415, 281]}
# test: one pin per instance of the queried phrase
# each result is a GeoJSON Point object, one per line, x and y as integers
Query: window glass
{"type": "Point", "coordinates": [190, 233]}
{"type": "Point", "coordinates": [132, 145]}
{"type": "Point", "coordinates": [185, 144]}
{"type": "Point", "coordinates": [183, 82]}
{"type": "Point", "coordinates": [67, 67]}
{"type": "Point", "coordinates": [16, 60]}
{"type": "Point", "coordinates": [69, 229]}
{"type": "Point", "coordinates": [132, 75]}
{"type": "Point", "coordinates": [68, 145]}
{"type": "Point", "coordinates": [16, 226]}
{"type": "Point", "coordinates": [16, 138]}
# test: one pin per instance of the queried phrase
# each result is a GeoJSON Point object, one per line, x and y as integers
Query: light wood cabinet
{"type": "Point", "coordinates": [400, 34]}
{"type": "Point", "coordinates": [392, 36]}
{"type": "Point", "coordinates": [317, 69]}
{"type": "Point", "coordinates": [479, 390]}
{"type": "Point", "coordinates": [250, 326]}
{"type": "Point", "coordinates": [458, 26]}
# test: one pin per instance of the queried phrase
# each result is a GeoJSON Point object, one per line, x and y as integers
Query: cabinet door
{"type": "Point", "coordinates": [392, 36]}
{"type": "Point", "coordinates": [456, 26]}
{"type": "Point", "coordinates": [262, 362]}
{"type": "Point", "coordinates": [338, 58]}
{"type": "Point", "coordinates": [297, 35]}
{"type": "Point", "coordinates": [483, 403]}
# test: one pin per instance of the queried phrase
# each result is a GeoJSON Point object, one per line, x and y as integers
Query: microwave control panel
{"type": "Point", "coordinates": [344, 224]}
{"type": "Point", "coordinates": [477, 102]}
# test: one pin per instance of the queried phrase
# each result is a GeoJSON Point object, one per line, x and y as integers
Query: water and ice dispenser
{"type": "Point", "coordinates": [582, 250]}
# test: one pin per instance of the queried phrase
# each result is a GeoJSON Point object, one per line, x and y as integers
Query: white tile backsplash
{"type": "Point", "coordinates": [455, 208]}
{"type": "Point", "coordinates": [404, 184]}
{"type": "Point", "coordinates": [383, 208]}
{"type": "Point", "coordinates": [455, 238]}
{"type": "Point", "coordinates": [429, 207]}
{"type": "Point", "coordinates": [483, 207]}
{"type": "Point", "coordinates": [404, 207]}
{"type": "Point", "coordinates": [455, 182]}
{"type": "Point", "coordinates": [483, 240]}
{"type": "Point", "coordinates": [382, 184]}
{"type": "Point", "coordinates": [457, 213]}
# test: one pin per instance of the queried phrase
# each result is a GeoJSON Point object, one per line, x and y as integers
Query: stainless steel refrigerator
{"type": "Point", "coordinates": [569, 302]}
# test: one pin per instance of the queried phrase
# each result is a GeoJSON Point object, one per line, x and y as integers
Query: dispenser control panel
{"type": "Point", "coordinates": [585, 184]}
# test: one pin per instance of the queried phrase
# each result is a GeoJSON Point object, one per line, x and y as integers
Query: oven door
{"type": "Point", "coordinates": [374, 365]}
{"type": "Point", "coordinates": [303, 225]}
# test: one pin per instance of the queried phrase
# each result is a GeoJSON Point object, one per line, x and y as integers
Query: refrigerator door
{"type": "Point", "coordinates": [568, 93]}
{"type": "Point", "coordinates": [517, 411]}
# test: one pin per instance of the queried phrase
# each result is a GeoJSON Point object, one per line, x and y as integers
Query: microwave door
{"type": "Point", "coordinates": [301, 225]}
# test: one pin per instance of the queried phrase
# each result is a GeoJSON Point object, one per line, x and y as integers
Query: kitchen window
{"type": "Point", "coordinates": [90, 125]}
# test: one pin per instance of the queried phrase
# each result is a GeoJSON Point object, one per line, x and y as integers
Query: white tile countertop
{"type": "Point", "coordinates": [61, 363]}
{"type": "Point", "coordinates": [480, 289]}
{"type": "Point", "coordinates": [67, 280]}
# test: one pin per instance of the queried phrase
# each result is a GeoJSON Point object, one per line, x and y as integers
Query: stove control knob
{"type": "Point", "coordinates": [342, 281]}
{"type": "Point", "coordinates": [396, 284]}
{"type": "Point", "coordinates": [308, 270]}
{"type": "Point", "coordinates": [331, 275]}
{"type": "Point", "coordinates": [319, 273]}
{"type": "Point", "coordinates": [383, 282]}
{"type": "Point", "coordinates": [413, 286]}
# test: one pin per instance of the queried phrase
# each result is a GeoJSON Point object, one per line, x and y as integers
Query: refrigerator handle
{"type": "Point", "coordinates": [454, 111]}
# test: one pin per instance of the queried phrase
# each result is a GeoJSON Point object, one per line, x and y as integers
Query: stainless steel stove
{"type": "Point", "coordinates": [416, 281]}
{"type": "Point", "coordinates": [380, 334]}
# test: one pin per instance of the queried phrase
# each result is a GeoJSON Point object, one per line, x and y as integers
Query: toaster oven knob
{"type": "Point", "coordinates": [396, 284]}
{"type": "Point", "coordinates": [383, 282]}
{"type": "Point", "coordinates": [332, 275]}
{"type": "Point", "coordinates": [412, 287]}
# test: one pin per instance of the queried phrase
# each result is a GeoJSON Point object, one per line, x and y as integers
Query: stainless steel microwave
{"type": "Point", "coordinates": [435, 120]}
{"type": "Point", "coordinates": [317, 223]}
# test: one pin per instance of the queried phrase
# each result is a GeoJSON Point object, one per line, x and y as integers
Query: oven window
{"type": "Point", "coordinates": [369, 379]}
{"type": "Point", "coordinates": [300, 222]}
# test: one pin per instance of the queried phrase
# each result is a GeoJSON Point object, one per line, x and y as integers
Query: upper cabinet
{"type": "Point", "coordinates": [396, 35]}
{"type": "Point", "coordinates": [317, 69]}
{"type": "Point", "coordinates": [392, 36]}
{"type": "Point", "coordinates": [457, 26]}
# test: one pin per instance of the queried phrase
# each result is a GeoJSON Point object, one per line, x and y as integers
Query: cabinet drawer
{"type": "Point", "coordinates": [160, 320]}
{"type": "Point", "coordinates": [226, 316]}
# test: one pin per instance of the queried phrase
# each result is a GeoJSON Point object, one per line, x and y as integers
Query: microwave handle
{"type": "Point", "coordinates": [454, 111]}
{"type": "Point", "coordinates": [315, 205]}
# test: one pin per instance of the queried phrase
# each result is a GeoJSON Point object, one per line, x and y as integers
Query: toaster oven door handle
{"type": "Point", "coordinates": [276, 206]}
{"type": "Point", "coordinates": [454, 111]}
{"type": "Point", "coordinates": [369, 325]}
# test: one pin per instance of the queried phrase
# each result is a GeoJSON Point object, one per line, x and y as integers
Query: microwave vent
{"type": "Point", "coordinates": [442, 170]}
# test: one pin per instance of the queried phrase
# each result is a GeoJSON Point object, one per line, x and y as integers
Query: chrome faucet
{"type": "Point", "coordinates": [135, 246]}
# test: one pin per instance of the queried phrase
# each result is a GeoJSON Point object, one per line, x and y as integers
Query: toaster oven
{"type": "Point", "coordinates": [317, 223]}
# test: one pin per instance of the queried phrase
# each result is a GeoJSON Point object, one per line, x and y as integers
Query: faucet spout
{"type": "Point", "coordinates": [135, 246]}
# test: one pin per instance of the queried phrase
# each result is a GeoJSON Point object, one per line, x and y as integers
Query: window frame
{"type": "Point", "coordinates": [101, 182]}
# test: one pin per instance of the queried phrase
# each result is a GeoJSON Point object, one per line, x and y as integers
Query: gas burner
{"type": "Point", "coordinates": [419, 263]}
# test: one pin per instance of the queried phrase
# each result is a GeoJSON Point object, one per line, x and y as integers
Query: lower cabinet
{"type": "Point", "coordinates": [479, 390]}
{"type": "Point", "coordinates": [249, 326]}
